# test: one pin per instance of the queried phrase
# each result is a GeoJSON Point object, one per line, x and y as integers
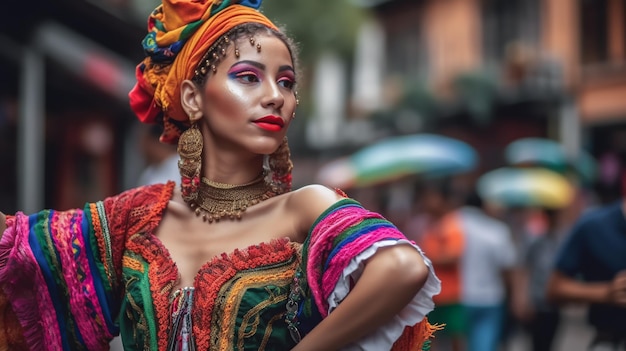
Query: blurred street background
{"type": "Point", "coordinates": [410, 106]}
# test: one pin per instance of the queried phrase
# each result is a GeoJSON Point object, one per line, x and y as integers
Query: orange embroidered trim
{"type": "Point", "coordinates": [133, 264]}
{"type": "Point", "coordinates": [148, 221]}
{"type": "Point", "coordinates": [413, 338]}
{"type": "Point", "coordinates": [162, 273]}
{"type": "Point", "coordinates": [145, 207]}
{"type": "Point", "coordinates": [134, 211]}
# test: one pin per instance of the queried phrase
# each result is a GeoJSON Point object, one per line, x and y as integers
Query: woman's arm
{"type": "Point", "coordinates": [390, 279]}
{"type": "Point", "coordinates": [3, 223]}
{"type": "Point", "coordinates": [562, 288]}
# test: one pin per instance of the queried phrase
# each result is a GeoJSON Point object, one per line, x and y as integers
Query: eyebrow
{"type": "Point", "coordinates": [286, 68]}
{"type": "Point", "coordinates": [262, 67]}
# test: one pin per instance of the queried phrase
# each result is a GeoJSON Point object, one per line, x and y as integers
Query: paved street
{"type": "Point", "coordinates": [574, 333]}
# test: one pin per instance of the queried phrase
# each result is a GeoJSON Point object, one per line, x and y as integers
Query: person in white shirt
{"type": "Point", "coordinates": [161, 158]}
{"type": "Point", "coordinates": [487, 268]}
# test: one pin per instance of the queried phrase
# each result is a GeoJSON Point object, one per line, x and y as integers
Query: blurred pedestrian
{"type": "Point", "coordinates": [443, 241]}
{"type": "Point", "coordinates": [487, 269]}
{"type": "Point", "coordinates": [540, 316]}
{"type": "Point", "coordinates": [161, 158]}
{"type": "Point", "coordinates": [591, 268]}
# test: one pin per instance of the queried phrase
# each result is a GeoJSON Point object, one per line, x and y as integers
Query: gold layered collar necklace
{"type": "Point", "coordinates": [217, 201]}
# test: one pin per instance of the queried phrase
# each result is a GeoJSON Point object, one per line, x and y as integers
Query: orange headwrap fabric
{"type": "Point", "coordinates": [179, 35]}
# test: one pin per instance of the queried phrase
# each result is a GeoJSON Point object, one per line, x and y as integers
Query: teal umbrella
{"type": "Point", "coordinates": [536, 151]}
{"type": "Point", "coordinates": [392, 158]}
{"type": "Point", "coordinates": [550, 154]}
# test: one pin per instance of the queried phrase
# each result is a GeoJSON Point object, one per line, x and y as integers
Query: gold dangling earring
{"type": "Point", "coordinates": [280, 165]}
{"type": "Point", "coordinates": [190, 150]}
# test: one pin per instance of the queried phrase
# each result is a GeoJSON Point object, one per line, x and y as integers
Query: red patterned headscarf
{"type": "Point", "coordinates": [180, 32]}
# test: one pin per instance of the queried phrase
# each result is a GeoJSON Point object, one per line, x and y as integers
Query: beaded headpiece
{"type": "Point", "coordinates": [179, 35]}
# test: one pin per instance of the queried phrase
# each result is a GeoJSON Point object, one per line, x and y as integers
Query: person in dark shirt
{"type": "Point", "coordinates": [591, 268]}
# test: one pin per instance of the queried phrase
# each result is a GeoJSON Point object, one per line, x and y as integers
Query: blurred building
{"type": "Point", "coordinates": [491, 71]}
{"type": "Point", "coordinates": [484, 71]}
{"type": "Point", "coordinates": [66, 68]}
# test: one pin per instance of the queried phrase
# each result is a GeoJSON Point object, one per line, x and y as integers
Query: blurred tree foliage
{"type": "Point", "coordinates": [318, 25]}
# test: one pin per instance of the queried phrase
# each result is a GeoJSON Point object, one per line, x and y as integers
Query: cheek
{"type": "Point", "coordinates": [225, 100]}
{"type": "Point", "coordinates": [236, 93]}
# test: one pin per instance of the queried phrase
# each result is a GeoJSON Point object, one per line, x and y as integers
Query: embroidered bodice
{"type": "Point", "coordinates": [238, 301]}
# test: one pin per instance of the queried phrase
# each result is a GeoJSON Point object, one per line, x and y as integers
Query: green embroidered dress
{"type": "Point", "coordinates": [72, 280]}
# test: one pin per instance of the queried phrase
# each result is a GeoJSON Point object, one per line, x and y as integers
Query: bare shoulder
{"type": "Point", "coordinates": [310, 201]}
{"type": "Point", "coordinates": [315, 197]}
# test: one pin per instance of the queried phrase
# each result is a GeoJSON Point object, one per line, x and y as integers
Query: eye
{"type": "Point", "coordinates": [247, 77]}
{"type": "Point", "coordinates": [286, 83]}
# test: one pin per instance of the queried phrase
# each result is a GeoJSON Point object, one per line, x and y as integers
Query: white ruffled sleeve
{"type": "Point", "coordinates": [413, 313]}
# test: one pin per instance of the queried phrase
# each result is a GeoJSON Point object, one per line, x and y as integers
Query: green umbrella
{"type": "Point", "coordinates": [396, 157]}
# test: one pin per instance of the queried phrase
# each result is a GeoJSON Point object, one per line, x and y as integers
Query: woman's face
{"type": "Point", "coordinates": [249, 101]}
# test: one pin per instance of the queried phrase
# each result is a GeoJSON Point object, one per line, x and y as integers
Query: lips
{"type": "Point", "coordinates": [270, 123]}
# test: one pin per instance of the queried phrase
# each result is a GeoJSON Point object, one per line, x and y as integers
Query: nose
{"type": "Point", "coordinates": [273, 95]}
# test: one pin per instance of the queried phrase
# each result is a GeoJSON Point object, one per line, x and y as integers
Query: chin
{"type": "Point", "coordinates": [267, 151]}
{"type": "Point", "coordinates": [267, 146]}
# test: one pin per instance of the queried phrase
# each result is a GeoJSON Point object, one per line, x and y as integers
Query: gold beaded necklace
{"type": "Point", "coordinates": [217, 201]}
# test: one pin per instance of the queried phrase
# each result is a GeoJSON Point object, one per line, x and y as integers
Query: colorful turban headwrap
{"type": "Point", "coordinates": [180, 32]}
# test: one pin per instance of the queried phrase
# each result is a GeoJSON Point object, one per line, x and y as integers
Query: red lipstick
{"type": "Point", "coordinates": [270, 123]}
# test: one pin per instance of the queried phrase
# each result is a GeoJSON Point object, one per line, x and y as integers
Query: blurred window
{"type": "Point", "coordinates": [594, 31]}
{"type": "Point", "coordinates": [407, 55]}
{"type": "Point", "coordinates": [507, 22]}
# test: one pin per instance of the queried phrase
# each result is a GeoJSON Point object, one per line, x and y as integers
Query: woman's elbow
{"type": "Point", "coordinates": [419, 273]}
{"type": "Point", "coordinates": [410, 268]}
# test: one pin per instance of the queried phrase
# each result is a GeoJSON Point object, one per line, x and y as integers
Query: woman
{"type": "Point", "coordinates": [233, 259]}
